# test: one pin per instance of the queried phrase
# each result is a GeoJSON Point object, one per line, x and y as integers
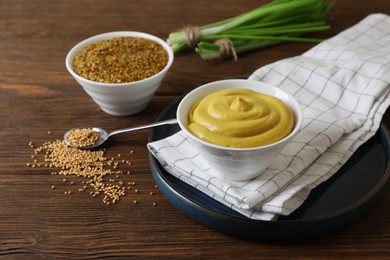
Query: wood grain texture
{"type": "Point", "coordinates": [37, 95]}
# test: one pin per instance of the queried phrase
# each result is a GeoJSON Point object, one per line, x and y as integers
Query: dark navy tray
{"type": "Point", "coordinates": [341, 200]}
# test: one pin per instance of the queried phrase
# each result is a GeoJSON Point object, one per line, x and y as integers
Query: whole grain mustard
{"type": "Point", "coordinates": [240, 118]}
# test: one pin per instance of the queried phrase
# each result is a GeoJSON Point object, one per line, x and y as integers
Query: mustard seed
{"type": "Point", "coordinates": [92, 165]}
{"type": "Point", "coordinates": [83, 137]}
{"type": "Point", "coordinates": [120, 60]}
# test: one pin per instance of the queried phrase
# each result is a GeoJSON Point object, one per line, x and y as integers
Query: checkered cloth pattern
{"type": "Point", "coordinates": [342, 85]}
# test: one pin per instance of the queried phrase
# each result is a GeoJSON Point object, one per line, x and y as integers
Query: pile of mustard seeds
{"type": "Point", "coordinates": [83, 137]}
{"type": "Point", "coordinates": [120, 60]}
{"type": "Point", "coordinates": [92, 165]}
{"type": "Point", "coordinates": [99, 173]}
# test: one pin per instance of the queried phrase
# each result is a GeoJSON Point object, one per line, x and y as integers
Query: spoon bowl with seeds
{"type": "Point", "coordinates": [93, 137]}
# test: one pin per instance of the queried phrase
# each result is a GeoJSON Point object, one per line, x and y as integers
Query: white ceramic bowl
{"type": "Point", "coordinates": [238, 164]}
{"type": "Point", "coordinates": [124, 98]}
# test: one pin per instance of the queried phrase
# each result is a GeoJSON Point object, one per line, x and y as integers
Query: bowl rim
{"type": "Point", "coordinates": [109, 35]}
{"type": "Point", "coordinates": [297, 111]}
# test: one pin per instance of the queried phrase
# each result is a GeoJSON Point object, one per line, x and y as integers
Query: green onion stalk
{"type": "Point", "coordinates": [272, 23]}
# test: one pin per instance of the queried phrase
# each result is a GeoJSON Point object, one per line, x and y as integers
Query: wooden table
{"type": "Point", "coordinates": [38, 96]}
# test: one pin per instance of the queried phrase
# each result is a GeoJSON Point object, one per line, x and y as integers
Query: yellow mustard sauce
{"type": "Point", "coordinates": [240, 118]}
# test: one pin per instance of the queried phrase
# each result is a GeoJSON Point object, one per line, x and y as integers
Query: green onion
{"type": "Point", "coordinates": [272, 23]}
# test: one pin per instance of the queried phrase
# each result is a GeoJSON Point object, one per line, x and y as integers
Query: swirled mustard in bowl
{"type": "Point", "coordinates": [239, 126]}
{"type": "Point", "coordinates": [240, 118]}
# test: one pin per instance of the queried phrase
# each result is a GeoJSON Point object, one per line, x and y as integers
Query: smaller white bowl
{"type": "Point", "coordinates": [238, 164]}
{"type": "Point", "coordinates": [123, 98]}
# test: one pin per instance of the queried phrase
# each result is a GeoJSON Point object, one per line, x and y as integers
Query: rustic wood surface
{"type": "Point", "coordinates": [37, 95]}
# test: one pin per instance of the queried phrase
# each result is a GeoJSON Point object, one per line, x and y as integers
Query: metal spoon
{"type": "Point", "coordinates": [103, 135]}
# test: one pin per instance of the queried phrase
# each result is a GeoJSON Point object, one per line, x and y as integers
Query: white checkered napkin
{"type": "Point", "coordinates": [343, 87]}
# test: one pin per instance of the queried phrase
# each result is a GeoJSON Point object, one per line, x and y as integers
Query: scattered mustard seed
{"type": "Point", "coordinates": [82, 163]}
{"type": "Point", "coordinates": [92, 165]}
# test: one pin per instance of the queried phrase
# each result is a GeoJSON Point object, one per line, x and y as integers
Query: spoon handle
{"type": "Point", "coordinates": [150, 125]}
